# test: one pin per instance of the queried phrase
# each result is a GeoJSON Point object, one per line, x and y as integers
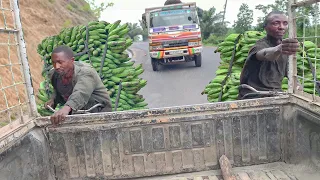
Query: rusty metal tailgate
{"type": "Point", "coordinates": [167, 141]}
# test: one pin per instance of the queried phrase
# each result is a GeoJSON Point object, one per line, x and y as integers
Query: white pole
{"type": "Point", "coordinates": [292, 69]}
{"type": "Point", "coordinates": [24, 60]}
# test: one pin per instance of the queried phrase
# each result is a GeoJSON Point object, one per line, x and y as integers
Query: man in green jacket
{"type": "Point", "coordinates": [76, 85]}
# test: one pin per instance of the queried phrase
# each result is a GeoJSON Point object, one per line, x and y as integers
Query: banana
{"type": "Point", "coordinates": [117, 66]}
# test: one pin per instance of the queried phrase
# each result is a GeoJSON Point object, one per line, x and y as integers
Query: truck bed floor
{"type": "Point", "coordinates": [271, 171]}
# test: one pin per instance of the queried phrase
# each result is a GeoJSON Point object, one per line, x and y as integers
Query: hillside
{"type": "Point", "coordinates": [40, 18]}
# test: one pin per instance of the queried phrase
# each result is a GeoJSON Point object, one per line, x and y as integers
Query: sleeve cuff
{"type": "Point", "coordinates": [72, 105]}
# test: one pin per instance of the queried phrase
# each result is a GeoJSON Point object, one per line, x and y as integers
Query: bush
{"type": "Point", "coordinates": [74, 5]}
{"type": "Point", "coordinates": [67, 23]}
{"type": "Point", "coordinates": [213, 39]}
{"type": "Point", "coordinates": [86, 8]}
{"type": "Point", "coordinates": [69, 7]}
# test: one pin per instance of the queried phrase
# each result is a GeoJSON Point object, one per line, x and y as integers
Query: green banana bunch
{"type": "Point", "coordinates": [101, 37]}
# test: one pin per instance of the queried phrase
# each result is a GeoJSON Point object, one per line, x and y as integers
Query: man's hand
{"type": "Point", "coordinates": [289, 46]}
{"type": "Point", "coordinates": [299, 88]}
{"type": "Point", "coordinates": [49, 103]}
{"type": "Point", "coordinates": [60, 115]}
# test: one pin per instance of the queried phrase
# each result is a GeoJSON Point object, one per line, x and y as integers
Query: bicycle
{"type": "Point", "coordinates": [260, 94]}
{"type": "Point", "coordinates": [79, 111]}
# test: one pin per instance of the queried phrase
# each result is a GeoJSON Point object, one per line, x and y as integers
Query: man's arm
{"type": "Point", "coordinates": [79, 98]}
{"type": "Point", "coordinates": [287, 47]}
{"type": "Point", "coordinates": [269, 54]}
{"type": "Point", "coordinates": [82, 91]}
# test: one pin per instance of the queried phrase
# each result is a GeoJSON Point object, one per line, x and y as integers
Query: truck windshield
{"type": "Point", "coordinates": [173, 17]}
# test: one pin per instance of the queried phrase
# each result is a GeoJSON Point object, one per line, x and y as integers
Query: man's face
{"type": "Point", "coordinates": [62, 63]}
{"type": "Point", "coordinates": [277, 26]}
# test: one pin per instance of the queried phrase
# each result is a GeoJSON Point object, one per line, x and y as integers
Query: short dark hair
{"type": "Point", "coordinates": [266, 19]}
{"type": "Point", "coordinates": [66, 49]}
{"type": "Point", "coordinates": [170, 2]}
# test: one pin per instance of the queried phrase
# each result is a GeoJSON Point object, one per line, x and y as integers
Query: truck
{"type": "Point", "coordinates": [268, 138]}
{"type": "Point", "coordinates": [174, 34]}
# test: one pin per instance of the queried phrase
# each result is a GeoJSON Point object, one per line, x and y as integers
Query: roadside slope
{"type": "Point", "coordinates": [40, 18]}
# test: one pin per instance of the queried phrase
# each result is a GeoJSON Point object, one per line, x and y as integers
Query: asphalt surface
{"type": "Point", "coordinates": [175, 85]}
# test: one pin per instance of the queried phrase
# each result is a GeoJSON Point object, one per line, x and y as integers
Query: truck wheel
{"type": "Point", "coordinates": [155, 64]}
{"type": "Point", "coordinates": [197, 60]}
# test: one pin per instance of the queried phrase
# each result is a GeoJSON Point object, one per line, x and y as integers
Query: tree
{"type": "Point", "coordinates": [224, 10]}
{"type": "Point", "coordinates": [220, 28]}
{"type": "Point", "coordinates": [245, 19]}
{"type": "Point", "coordinates": [305, 23]}
{"type": "Point", "coordinates": [200, 12]}
{"type": "Point", "coordinates": [282, 5]}
{"type": "Point", "coordinates": [97, 8]}
{"type": "Point", "coordinates": [144, 30]}
{"type": "Point", "coordinates": [134, 30]}
{"type": "Point", "coordinates": [308, 20]}
{"type": "Point", "coordinates": [279, 5]}
{"type": "Point", "coordinates": [211, 22]}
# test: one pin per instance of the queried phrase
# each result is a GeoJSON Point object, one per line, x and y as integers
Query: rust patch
{"type": "Point", "coordinates": [233, 106]}
{"type": "Point", "coordinates": [162, 120]}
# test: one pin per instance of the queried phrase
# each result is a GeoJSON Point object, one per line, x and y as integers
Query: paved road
{"type": "Point", "coordinates": [175, 85]}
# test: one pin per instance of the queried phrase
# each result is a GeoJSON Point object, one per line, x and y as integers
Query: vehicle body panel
{"type": "Point", "coordinates": [173, 140]}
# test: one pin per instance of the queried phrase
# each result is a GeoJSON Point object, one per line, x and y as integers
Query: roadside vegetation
{"type": "Point", "coordinates": [215, 29]}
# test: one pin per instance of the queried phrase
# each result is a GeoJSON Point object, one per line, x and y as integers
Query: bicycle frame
{"type": "Point", "coordinates": [263, 93]}
{"type": "Point", "coordinates": [80, 111]}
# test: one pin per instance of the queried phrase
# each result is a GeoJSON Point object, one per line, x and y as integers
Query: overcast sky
{"type": "Point", "coordinates": [131, 10]}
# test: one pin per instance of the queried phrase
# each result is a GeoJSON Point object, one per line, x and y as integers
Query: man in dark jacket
{"type": "Point", "coordinates": [76, 85]}
{"type": "Point", "coordinates": [170, 2]}
{"type": "Point", "coordinates": [267, 62]}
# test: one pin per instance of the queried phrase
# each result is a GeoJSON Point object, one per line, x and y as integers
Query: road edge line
{"type": "Point", "coordinates": [130, 52]}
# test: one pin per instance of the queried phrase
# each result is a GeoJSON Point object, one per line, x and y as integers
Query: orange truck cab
{"type": "Point", "coordinates": [174, 34]}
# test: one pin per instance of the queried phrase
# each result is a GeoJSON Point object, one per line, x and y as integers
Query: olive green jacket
{"type": "Point", "coordinates": [88, 89]}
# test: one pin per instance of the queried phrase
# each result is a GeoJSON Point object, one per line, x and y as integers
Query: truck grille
{"type": "Point", "coordinates": [175, 44]}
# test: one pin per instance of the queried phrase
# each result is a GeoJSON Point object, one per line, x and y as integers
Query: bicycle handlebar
{"type": "Point", "coordinates": [248, 87]}
{"type": "Point", "coordinates": [256, 92]}
{"type": "Point", "coordinates": [79, 111]}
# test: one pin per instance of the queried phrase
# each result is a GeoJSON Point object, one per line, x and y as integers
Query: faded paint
{"type": "Point", "coordinates": [190, 137]}
{"type": "Point", "coordinates": [221, 107]}
{"type": "Point", "coordinates": [171, 140]}
{"type": "Point", "coordinates": [233, 106]}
